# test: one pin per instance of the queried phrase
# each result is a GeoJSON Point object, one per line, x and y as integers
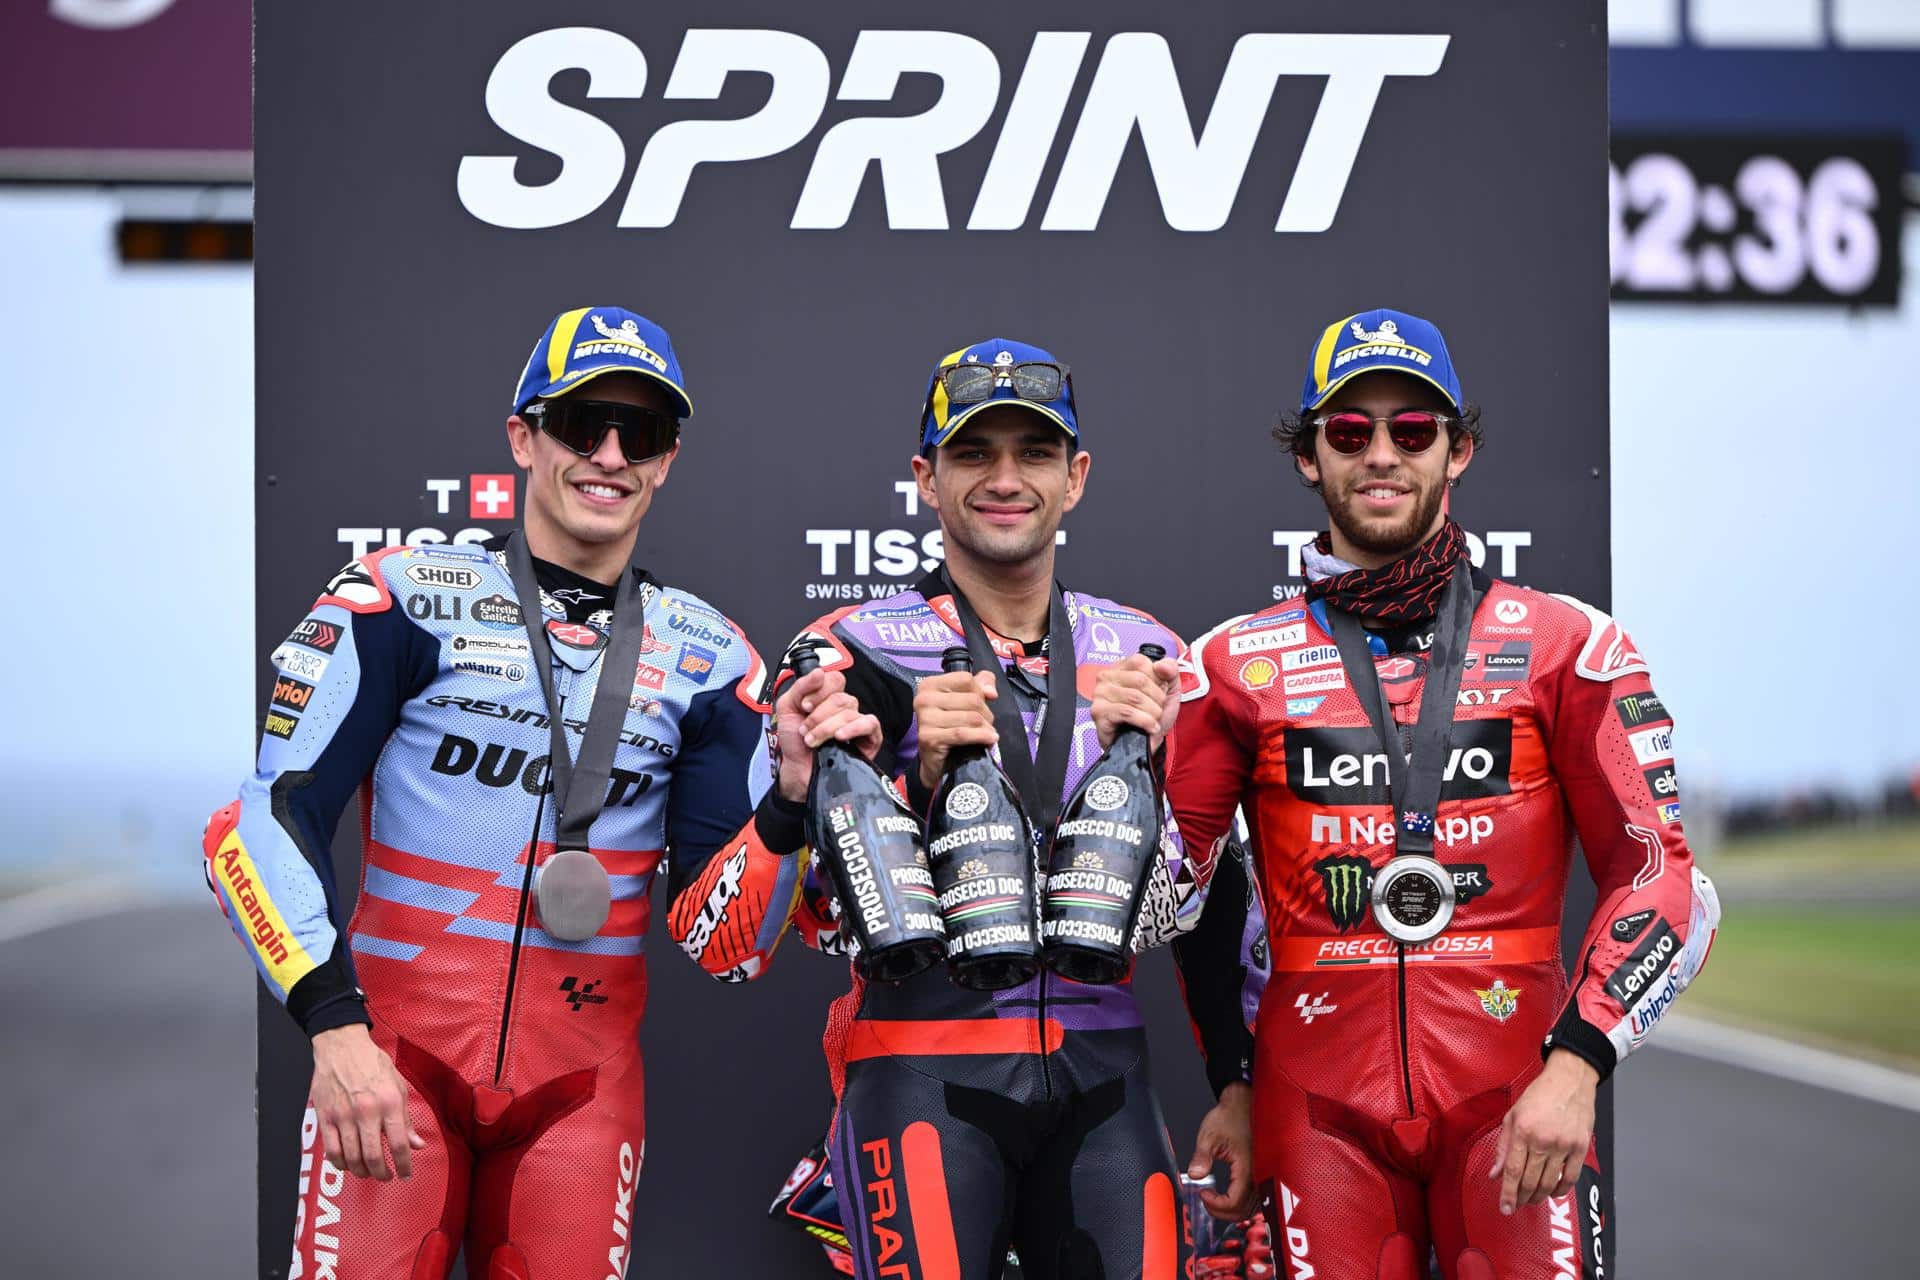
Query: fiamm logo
{"type": "Point", "coordinates": [1133, 88]}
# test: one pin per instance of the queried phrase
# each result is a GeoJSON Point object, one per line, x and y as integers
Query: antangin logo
{"type": "Point", "coordinates": [1134, 88]}
{"type": "Point", "coordinates": [1347, 879]}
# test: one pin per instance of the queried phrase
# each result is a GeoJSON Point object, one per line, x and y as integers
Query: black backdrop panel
{"type": "Point", "coordinates": [1449, 162]}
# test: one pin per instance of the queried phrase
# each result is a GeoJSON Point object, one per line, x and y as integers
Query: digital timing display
{"type": "Point", "coordinates": [1724, 218]}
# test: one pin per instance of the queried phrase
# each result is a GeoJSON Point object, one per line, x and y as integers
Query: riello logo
{"type": "Point", "coordinates": [1133, 88]}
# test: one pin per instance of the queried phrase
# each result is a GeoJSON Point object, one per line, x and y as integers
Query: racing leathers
{"type": "Point", "coordinates": [1383, 1072]}
{"type": "Point", "coordinates": [412, 673]}
{"type": "Point", "coordinates": [968, 1120]}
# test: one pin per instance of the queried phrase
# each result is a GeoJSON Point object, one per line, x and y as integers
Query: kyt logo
{"type": "Point", "coordinates": [1133, 89]}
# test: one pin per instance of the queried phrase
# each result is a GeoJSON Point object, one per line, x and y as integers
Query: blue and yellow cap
{"type": "Point", "coordinates": [586, 342]}
{"type": "Point", "coordinates": [1375, 340]}
{"type": "Point", "coordinates": [940, 420]}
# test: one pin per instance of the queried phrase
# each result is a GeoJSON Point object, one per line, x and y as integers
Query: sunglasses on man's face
{"type": "Point", "coordinates": [579, 426]}
{"type": "Point", "coordinates": [1412, 431]}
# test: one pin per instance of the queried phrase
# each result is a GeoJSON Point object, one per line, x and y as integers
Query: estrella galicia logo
{"type": "Point", "coordinates": [1637, 709]}
{"type": "Point", "coordinates": [1348, 879]}
{"type": "Point", "coordinates": [496, 611]}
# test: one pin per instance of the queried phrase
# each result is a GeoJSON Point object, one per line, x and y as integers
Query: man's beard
{"type": "Point", "coordinates": [1393, 540]}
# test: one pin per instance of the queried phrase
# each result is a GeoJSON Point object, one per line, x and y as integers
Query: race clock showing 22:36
{"type": "Point", "coordinates": [1716, 218]}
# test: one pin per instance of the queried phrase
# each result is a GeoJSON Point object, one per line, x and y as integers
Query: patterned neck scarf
{"type": "Point", "coordinates": [1406, 590]}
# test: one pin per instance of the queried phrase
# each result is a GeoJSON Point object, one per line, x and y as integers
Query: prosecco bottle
{"type": "Point", "coordinates": [980, 845]}
{"type": "Point", "coordinates": [1104, 849]}
{"type": "Point", "coordinates": [870, 844]}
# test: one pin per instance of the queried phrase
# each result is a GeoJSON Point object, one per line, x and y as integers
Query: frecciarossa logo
{"type": "Point", "coordinates": [1346, 766]}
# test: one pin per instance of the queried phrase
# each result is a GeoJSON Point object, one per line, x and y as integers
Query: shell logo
{"type": "Point", "coordinates": [1259, 673]}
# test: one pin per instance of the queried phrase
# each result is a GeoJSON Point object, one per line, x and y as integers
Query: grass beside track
{"type": "Point", "coordinates": [1844, 978]}
{"type": "Point", "coordinates": [1794, 959]}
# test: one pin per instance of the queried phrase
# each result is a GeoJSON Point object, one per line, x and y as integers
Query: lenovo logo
{"type": "Point", "coordinates": [1133, 88]}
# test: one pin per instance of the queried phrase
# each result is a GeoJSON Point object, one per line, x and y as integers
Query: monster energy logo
{"type": "Point", "coordinates": [1637, 709]}
{"type": "Point", "coordinates": [1348, 879]}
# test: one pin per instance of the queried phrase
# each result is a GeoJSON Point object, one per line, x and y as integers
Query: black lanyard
{"type": "Point", "coordinates": [581, 786]}
{"type": "Point", "coordinates": [1040, 777]}
{"type": "Point", "coordinates": [1415, 782]}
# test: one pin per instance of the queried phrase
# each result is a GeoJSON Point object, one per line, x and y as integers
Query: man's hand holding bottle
{"type": "Point", "coordinates": [813, 710]}
{"type": "Point", "coordinates": [950, 710]}
{"type": "Point", "coordinates": [1139, 692]}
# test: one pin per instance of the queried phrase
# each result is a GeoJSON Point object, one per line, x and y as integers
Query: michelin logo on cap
{"type": "Point", "coordinates": [569, 354]}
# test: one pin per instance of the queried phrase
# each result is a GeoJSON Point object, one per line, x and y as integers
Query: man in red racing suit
{"type": "Point", "coordinates": [1393, 1081]}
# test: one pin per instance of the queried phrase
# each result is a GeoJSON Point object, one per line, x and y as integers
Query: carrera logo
{"type": "Point", "coordinates": [1308, 681]}
{"type": "Point", "coordinates": [1346, 766]}
{"type": "Point", "coordinates": [1133, 88]}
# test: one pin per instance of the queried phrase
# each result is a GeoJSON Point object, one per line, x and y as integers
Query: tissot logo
{"type": "Point", "coordinates": [1133, 88]}
{"type": "Point", "coordinates": [1346, 766]}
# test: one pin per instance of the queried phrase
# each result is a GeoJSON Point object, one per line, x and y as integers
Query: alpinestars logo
{"type": "Point", "coordinates": [1347, 878]}
{"type": "Point", "coordinates": [1134, 88]}
{"type": "Point", "coordinates": [579, 994]}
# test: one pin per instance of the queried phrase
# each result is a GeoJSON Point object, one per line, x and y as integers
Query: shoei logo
{"type": "Point", "coordinates": [1133, 88]}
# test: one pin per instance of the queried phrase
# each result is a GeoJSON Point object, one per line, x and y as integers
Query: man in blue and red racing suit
{"type": "Point", "coordinates": [967, 1120]}
{"type": "Point", "coordinates": [1401, 1103]}
{"type": "Point", "coordinates": [495, 1065]}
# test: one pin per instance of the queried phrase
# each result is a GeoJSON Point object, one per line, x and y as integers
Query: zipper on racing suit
{"type": "Point", "coordinates": [526, 898]}
{"type": "Point", "coordinates": [1406, 1062]}
{"type": "Point", "coordinates": [1406, 1047]}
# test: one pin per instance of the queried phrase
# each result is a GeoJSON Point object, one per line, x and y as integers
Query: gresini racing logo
{"type": "Point", "coordinates": [1133, 88]}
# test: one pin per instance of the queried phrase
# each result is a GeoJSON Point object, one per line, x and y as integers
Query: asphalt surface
{"type": "Point", "coordinates": [126, 1082]}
